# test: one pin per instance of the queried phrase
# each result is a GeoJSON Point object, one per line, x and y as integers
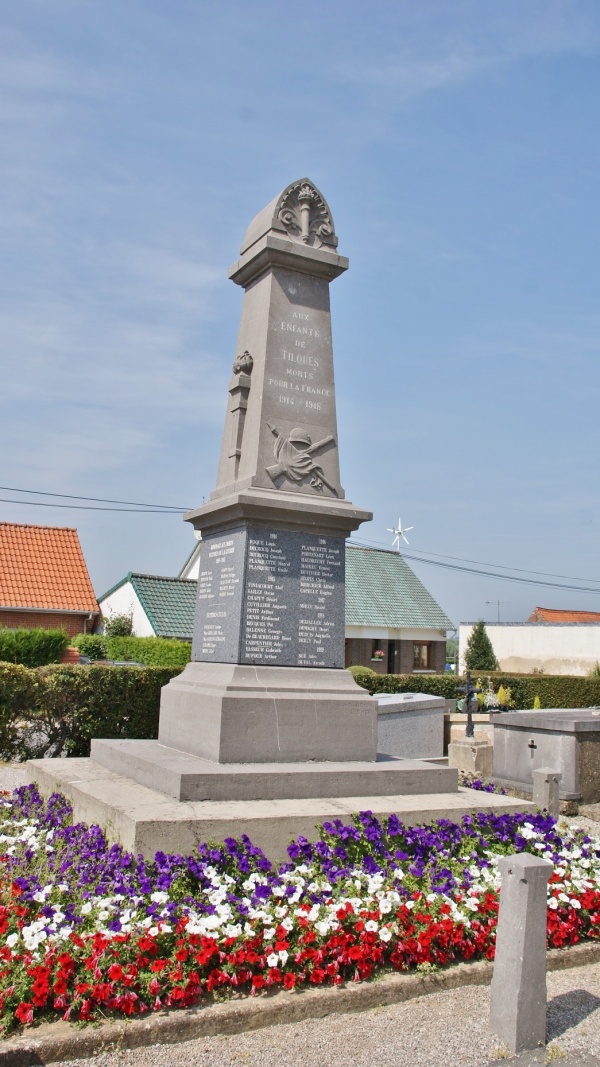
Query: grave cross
{"type": "Point", "coordinates": [531, 746]}
{"type": "Point", "coordinates": [470, 691]}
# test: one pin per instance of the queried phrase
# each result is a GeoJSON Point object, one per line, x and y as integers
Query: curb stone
{"type": "Point", "coordinates": [59, 1041]}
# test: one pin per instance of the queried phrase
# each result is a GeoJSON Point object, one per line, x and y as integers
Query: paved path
{"type": "Point", "coordinates": [448, 1029]}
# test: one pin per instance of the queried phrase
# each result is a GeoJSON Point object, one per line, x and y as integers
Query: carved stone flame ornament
{"type": "Point", "coordinates": [294, 455]}
{"type": "Point", "coordinates": [305, 216]}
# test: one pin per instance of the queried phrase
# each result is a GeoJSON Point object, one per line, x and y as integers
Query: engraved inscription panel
{"type": "Point", "coordinates": [219, 597]}
{"type": "Point", "coordinates": [294, 600]}
{"type": "Point", "coordinates": [271, 597]}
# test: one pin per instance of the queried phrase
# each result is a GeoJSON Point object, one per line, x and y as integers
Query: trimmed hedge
{"type": "Point", "coordinates": [152, 651]}
{"type": "Point", "coordinates": [554, 690]}
{"type": "Point", "coordinates": [91, 645]}
{"type": "Point", "coordinates": [56, 710]}
{"type": "Point", "coordinates": [32, 648]}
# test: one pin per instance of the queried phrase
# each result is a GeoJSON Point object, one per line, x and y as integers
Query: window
{"type": "Point", "coordinates": [422, 656]}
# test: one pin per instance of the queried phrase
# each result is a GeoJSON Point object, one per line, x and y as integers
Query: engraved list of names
{"type": "Point", "coordinates": [271, 597]}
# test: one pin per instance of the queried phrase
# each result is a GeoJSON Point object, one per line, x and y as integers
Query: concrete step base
{"type": "Point", "coordinates": [183, 776]}
{"type": "Point", "coordinates": [144, 820]}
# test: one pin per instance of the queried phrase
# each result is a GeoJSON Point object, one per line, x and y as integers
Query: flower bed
{"type": "Point", "coordinates": [88, 930]}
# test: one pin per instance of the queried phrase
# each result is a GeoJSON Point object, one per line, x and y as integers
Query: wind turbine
{"type": "Point", "coordinates": [399, 531]}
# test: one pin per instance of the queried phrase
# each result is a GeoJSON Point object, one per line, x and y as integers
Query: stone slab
{"type": "Point", "coordinates": [410, 725]}
{"type": "Point", "coordinates": [565, 720]}
{"type": "Point", "coordinates": [144, 820]}
{"type": "Point", "coordinates": [186, 777]}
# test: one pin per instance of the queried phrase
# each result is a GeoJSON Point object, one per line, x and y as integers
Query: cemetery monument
{"type": "Point", "coordinates": [265, 724]}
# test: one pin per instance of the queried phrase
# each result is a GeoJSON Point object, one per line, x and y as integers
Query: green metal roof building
{"type": "Point", "coordinates": [392, 621]}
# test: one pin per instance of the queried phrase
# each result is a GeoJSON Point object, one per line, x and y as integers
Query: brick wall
{"type": "Point", "coordinates": [44, 620]}
{"type": "Point", "coordinates": [358, 654]}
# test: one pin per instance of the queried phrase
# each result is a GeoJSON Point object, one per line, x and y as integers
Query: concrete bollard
{"type": "Point", "coordinates": [518, 991]}
{"type": "Point", "coordinates": [546, 789]}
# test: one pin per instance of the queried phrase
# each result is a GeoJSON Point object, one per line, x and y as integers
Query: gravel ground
{"type": "Point", "coordinates": [442, 1028]}
{"type": "Point", "coordinates": [439, 1029]}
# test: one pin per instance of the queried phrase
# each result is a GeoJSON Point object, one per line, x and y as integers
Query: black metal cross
{"type": "Point", "coordinates": [531, 746]}
{"type": "Point", "coordinates": [470, 692]}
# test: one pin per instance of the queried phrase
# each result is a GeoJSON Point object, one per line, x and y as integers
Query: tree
{"type": "Point", "coordinates": [479, 654]}
{"type": "Point", "coordinates": [118, 626]}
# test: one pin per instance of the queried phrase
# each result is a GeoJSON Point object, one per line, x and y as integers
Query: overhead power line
{"type": "Point", "coordinates": [88, 507]}
{"type": "Point", "coordinates": [96, 499]}
{"type": "Point", "coordinates": [498, 577]}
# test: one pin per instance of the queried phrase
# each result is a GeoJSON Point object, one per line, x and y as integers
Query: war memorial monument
{"type": "Point", "coordinates": [265, 732]}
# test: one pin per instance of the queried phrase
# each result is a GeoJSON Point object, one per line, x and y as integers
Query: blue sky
{"type": "Point", "coordinates": [458, 148]}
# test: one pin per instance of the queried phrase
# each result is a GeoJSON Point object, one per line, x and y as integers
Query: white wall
{"type": "Point", "coordinates": [392, 633]}
{"type": "Point", "coordinates": [555, 648]}
{"type": "Point", "coordinates": [124, 601]}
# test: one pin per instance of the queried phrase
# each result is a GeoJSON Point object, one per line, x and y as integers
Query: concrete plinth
{"type": "Point", "coordinates": [144, 820]}
{"type": "Point", "coordinates": [410, 725]}
{"type": "Point", "coordinates": [236, 713]}
{"type": "Point", "coordinates": [186, 777]}
{"type": "Point", "coordinates": [471, 756]}
{"type": "Point", "coordinates": [518, 991]}
{"type": "Point", "coordinates": [546, 789]}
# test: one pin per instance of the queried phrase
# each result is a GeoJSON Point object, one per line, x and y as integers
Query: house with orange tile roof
{"type": "Point", "coordinates": [44, 580]}
{"type": "Point", "coordinates": [558, 615]}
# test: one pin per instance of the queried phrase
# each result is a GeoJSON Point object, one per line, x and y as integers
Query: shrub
{"type": "Point", "coordinates": [92, 645]}
{"type": "Point", "coordinates": [362, 675]}
{"type": "Point", "coordinates": [32, 648]}
{"type": "Point", "coordinates": [118, 626]}
{"type": "Point", "coordinates": [554, 690]}
{"type": "Point", "coordinates": [18, 698]}
{"type": "Point", "coordinates": [56, 710]}
{"type": "Point", "coordinates": [152, 651]}
{"type": "Point", "coordinates": [479, 655]}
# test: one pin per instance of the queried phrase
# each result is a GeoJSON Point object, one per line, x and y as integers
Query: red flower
{"type": "Point", "coordinates": [24, 1013]}
{"type": "Point", "coordinates": [289, 980]}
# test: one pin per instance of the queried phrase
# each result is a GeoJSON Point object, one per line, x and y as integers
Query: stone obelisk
{"type": "Point", "coordinates": [266, 681]}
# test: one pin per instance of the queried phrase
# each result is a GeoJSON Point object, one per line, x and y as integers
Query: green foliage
{"type": "Point", "coordinates": [537, 702]}
{"type": "Point", "coordinates": [92, 645]}
{"type": "Point", "coordinates": [362, 675]}
{"type": "Point", "coordinates": [479, 655]}
{"type": "Point", "coordinates": [152, 651]}
{"type": "Point", "coordinates": [118, 626]}
{"type": "Point", "coordinates": [32, 648]}
{"type": "Point", "coordinates": [18, 698]}
{"type": "Point", "coordinates": [56, 710]}
{"type": "Point", "coordinates": [554, 690]}
{"type": "Point", "coordinates": [595, 671]}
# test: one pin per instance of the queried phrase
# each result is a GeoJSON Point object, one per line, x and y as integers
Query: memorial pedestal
{"type": "Point", "coordinates": [264, 732]}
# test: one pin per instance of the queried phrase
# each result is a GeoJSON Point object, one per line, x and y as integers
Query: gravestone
{"type": "Point", "coordinates": [566, 739]}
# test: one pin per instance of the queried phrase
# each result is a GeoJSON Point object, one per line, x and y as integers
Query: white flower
{"type": "Point", "coordinates": [372, 926]}
{"type": "Point", "coordinates": [385, 933]}
{"type": "Point", "coordinates": [11, 940]}
{"type": "Point", "coordinates": [273, 959]}
{"type": "Point", "coordinates": [269, 933]}
{"type": "Point", "coordinates": [86, 908]}
{"type": "Point", "coordinates": [283, 956]}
